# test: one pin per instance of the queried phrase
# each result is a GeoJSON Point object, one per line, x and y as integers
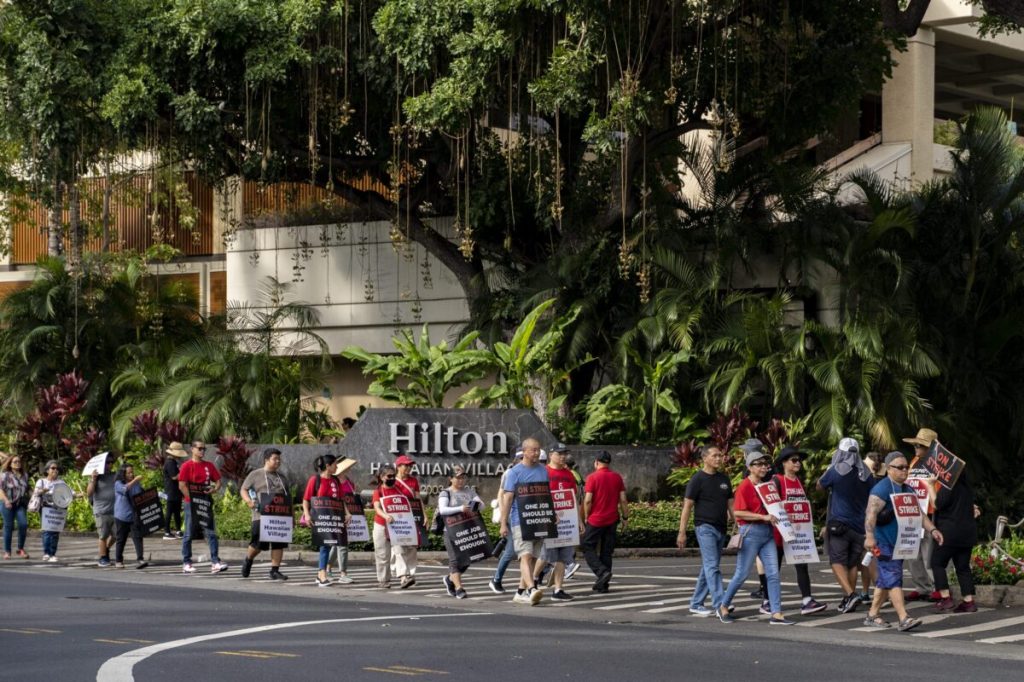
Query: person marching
{"type": "Point", "coordinates": [881, 532]}
{"type": "Point", "coordinates": [509, 553]}
{"type": "Point", "coordinates": [604, 505]}
{"type": "Point", "coordinates": [954, 517]}
{"type": "Point", "coordinates": [323, 484]}
{"type": "Point", "coordinates": [172, 527]}
{"type": "Point", "coordinates": [265, 481]}
{"type": "Point", "coordinates": [14, 494]}
{"type": "Point", "coordinates": [405, 556]}
{"type": "Point", "coordinates": [709, 498]}
{"type": "Point", "coordinates": [789, 462]}
{"type": "Point", "coordinates": [340, 552]}
{"type": "Point", "coordinates": [456, 499]}
{"type": "Point", "coordinates": [920, 566]}
{"type": "Point", "coordinates": [126, 486]}
{"type": "Point", "coordinates": [101, 494]}
{"type": "Point", "coordinates": [44, 486]}
{"type": "Point", "coordinates": [529, 471]}
{"type": "Point", "coordinates": [197, 471]}
{"type": "Point", "coordinates": [381, 540]}
{"type": "Point", "coordinates": [556, 559]}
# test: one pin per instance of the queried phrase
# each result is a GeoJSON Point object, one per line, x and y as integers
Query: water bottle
{"type": "Point", "coordinates": [868, 556]}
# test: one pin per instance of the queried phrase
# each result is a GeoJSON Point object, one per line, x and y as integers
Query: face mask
{"type": "Point", "coordinates": [390, 480]}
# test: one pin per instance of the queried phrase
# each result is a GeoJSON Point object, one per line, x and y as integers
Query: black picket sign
{"type": "Point", "coordinates": [148, 511]}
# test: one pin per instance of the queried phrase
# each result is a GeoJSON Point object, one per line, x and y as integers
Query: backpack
{"type": "Point", "coordinates": [437, 525]}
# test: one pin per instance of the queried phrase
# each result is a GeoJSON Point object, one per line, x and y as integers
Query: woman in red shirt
{"type": "Point", "coordinates": [757, 540]}
{"type": "Point", "coordinates": [323, 484]}
{"type": "Point", "coordinates": [381, 541]}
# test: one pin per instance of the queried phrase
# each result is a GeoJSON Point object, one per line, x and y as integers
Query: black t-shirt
{"type": "Point", "coordinates": [710, 494]}
{"type": "Point", "coordinates": [171, 468]}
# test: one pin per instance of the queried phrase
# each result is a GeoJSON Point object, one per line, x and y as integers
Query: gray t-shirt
{"type": "Point", "coordinates": [262, 481]}
{"type": "Point", "coordinates": [103, 494]}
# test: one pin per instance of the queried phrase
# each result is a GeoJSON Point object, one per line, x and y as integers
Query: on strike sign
{"type": "Point", "coordinates": [909, 522]}
{"type": "Point", "coordinates": [773, 503]}
{"type": "Point", "coordinates": [402, 528]}
{"type": "Point", "coordinates": [801, 549]}
{"type": "Point", "coordinates": [567, 518]}
{"type": "Point", "coordinates": [276, 520]}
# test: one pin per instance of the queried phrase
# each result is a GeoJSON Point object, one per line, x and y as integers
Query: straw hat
{"type": "Point", "coordinates": [924, 438]}
{"type": "Point", "coordinates": [344, 465]}
{"type": "Point", "coordinates": [175, 450]}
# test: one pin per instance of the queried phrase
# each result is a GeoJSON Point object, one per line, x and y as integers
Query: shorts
{"type": "Point", "coordinates": [553, 555]}
{"type": "Point", "coordinates": [104, 525]}
{"type": "Point", "coordinates": [846, 549]}
{"type": "Point", "coordinates": [534, 548]}
{"type": "Point", "coordinates": [254, 540]}
{"type": "Point", "coordinates": [453, 564]}
{"type": "Point", "coordinates": [890, 571]}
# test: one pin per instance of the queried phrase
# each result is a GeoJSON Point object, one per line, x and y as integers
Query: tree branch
{"type": "Point", "coordinates": [905, 21]}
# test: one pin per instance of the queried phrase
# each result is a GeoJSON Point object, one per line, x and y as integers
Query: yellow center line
{"type": "Point", "coordinates": [239, 653]}
{"type": "Point", "coordinates": [419, 670]}
{"type": "Point", "coordinates": [389, 670]}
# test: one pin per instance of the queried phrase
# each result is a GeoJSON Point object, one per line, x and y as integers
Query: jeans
{"type": "Point", "coordinates": [709, 539]}
{"type": "Point", "coordinates": [10, 516]}
{"type": "Point", "coordinates": [50, 540]}
{"type": "Point", "coordinates": [506, 558]}
{"type": "Point", "coordinates": [757, 542]}
{"type": "Point", "coordinates": [599, 562]}
{"type": "Point", "coordinates": [341, 552]}
{"type": "Point", "coordinates": [186, 542]}
{"type": "Point", "coordinates": [325, 556]}
{"type": "Point", "coordinates": [919, 566]}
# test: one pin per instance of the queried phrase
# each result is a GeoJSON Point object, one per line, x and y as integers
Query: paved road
{"type": "Point", "coordinates": [73, 620]}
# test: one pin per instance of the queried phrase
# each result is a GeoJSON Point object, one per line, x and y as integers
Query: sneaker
{"type": "Point", "coordinates": [178, 534]}
{"type": "Point", "coordinates": [188, 568]}
{"type": "Point", "coordinates": [908, 623]}
{"type": "Point", "coordinates": [344, 579]}
{"type": "Point", "coordinates": [246, 567]}
{"type": "Point", "coordinates": [865, 597]}
{"type": "Point", "coordinates": [276, 574]}
{"type": "Point", "coordinates": [22, 554]}
{"type": "Point", "coordinates": [601, 584]}
{"type": "Point", "coordinates": [812, 606]}
{"type": "Point", "coordinates": [46, 557]}
{"type": "Point", "coordinates": [495, 586]}
{"type": "Point", "coordinates": [766, 608]}
{"type": "Point", "coordinates": [521, 598]}
{"type": "Point", "coordinates": [571, 568]}
{"type": "Point", "coordinates": [730, 608]}
{"type": "Point", "coordinates": [448, 585]}
{"type": "Point", "coordinates": [323, 583]}
{"type": "Point", "coordinates": [170, 536]}
{"type": "Point", "coordinates": [780, 621]}
{"type": "Point", "coordinates": [758, 594]}
{"type": "Point", "coordinates": [561, 595]}
{"type": "Point", "coordinates": [384, 586]}
{"type": "Point", "coordinates": [141, 563]}
{"type": "Point", "coordinates": [407, 581]}
{"type": "Point", "coordinates": [849, 603]}
{"type": "Point", "coordinates": [119, 564]}
{"type": "Point", "coordinates": [935, 596]}
{"type": "Point", "coordinates": [218, 567]}
{"type": "Point", "coordinates": [104, 562]}
{"type": "Point", "coordinates": [875, 622]}
{"type": "Point", "coordinates": [946, 604]}
{"type": "Point", "coordinates": [535, 595]}
{"type": "Point", "coordinates": [53, 559]}
{"type": "Point", "coordinates": [912, 596]}
{"type": "Point", "coordinates": [725, 617]}
{"type": "Point", "coordinates": [700, 610]}
{"type": "Point", "coordinates": [966, 607]}
{"type": "Point", "coordinates": [460, 594]}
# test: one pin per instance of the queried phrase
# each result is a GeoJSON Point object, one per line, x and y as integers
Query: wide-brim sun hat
{"type": "Point", "coordinates": [344, 465]}
{"type": "Point", "coordinates": [175, 449]}
{"type": "Point", "coordinates": [924, 438]}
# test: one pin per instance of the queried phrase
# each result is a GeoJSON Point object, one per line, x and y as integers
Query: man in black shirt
{"type": "Point", "coordinates": [709, 497]}
{"type": "Point", "coordinates": [172, 520]}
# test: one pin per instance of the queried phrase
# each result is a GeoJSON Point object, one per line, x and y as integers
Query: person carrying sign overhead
{"type": "Point", "coordinates": [202, 476]}
{"type": "Point", "coordinates": [881, 529]}
{"type": "Point", "coordinates": [924, 485]}
{"type": "Point", "coordinates": [517, 482]}
{"type": "Point", "coordinates": [259, 483]}
{"type": "Point", "coordinates": [101, 495]}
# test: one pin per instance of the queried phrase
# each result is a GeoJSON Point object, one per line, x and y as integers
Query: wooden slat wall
{"type": "Point", "coordinates": [290, 197]}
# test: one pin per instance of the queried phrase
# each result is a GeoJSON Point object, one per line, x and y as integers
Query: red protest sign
{"type": "Point", "coordinates": [943, 465]}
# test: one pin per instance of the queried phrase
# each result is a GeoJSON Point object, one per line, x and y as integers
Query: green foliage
{"type": "Point", "coordinates": [998, 570]}
{"type": "Point", "coordinates": [651, 525]}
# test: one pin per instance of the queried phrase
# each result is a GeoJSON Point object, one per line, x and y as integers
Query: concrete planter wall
{"type": "Point", "coordinates": [999, 595]}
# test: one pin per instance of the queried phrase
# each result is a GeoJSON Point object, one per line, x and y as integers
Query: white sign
{"type": "Point", "coordinates": [276, 528]}
{"type": "Point", "coordinates": [402, 528]}
{"type": "Point", "coordinates": [567, 519]}
{"type": "Point", "coordinates": [801, 549]}
{"type": "Point", "coordinates": [53, 519]}
{"type": "Point", "coordinates": [773, 503]}
{"type": "Point", "coordinates": [96, 465]}
{"type": "Point", "coordinates": [908, 519]}
{"type": "Point", "coordinates": [358, 530]}
{"type": "Point", "coordinates": [920, 486]}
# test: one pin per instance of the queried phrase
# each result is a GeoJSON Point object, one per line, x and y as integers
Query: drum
{"type": "Point", "coordinates": [61, 495]}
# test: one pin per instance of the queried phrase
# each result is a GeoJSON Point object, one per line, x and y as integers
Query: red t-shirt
{"type": "Point", "coordinates": [319, 486]}
{"type": "Point", "coordinates": [561, 479]}
{"type": "Point", "coordinates": [604, 485]}
{"type": "Point", "coordinates": [748, 500]}
{"type": "Point", "coordinates": [409, 487]}
{"type": "Point", "coordinates": [788, 490]}
{"type": "Point", "coordinates": [202, 472]}
{"type": "Point", "coordinates": [380, 492]}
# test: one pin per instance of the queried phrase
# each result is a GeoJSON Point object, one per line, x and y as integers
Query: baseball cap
{"type": "Point", "coordinates": [560, 447]}
{"type": "Point", "coordinates": [604, 457]}
{"type": "Point", "coordinates": [752, 444]}
{"type": "Point", "coordinates": [754, 456]}
{"type": "Point", "coordinates": [849, 445]}
{"type": "Point", "coordinates": [404, 459]}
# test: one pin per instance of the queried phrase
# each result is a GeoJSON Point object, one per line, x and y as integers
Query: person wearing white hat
{"type": "Point", "coordinates": [172, 519]}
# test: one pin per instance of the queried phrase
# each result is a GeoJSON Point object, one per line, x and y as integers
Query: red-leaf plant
{"type": "Point", "coordinates": [235, 458]}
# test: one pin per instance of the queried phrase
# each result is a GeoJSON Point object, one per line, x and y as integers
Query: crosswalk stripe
{"type": "Point", "coordinates": [979, 627]}
{"type": "Point", "coordinates": [856, 615]}
{"type": "Point", "coordinates": [1001, 640]}
{"type": "Point", "coordinates": [925, 620]}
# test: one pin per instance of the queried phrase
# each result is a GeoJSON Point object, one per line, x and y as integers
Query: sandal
{"type": "Point", "coordinates": [908, 623]}
{"type": "Point", "coordinates": [876, 622]}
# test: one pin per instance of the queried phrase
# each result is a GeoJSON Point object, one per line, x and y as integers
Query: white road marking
{"type": "Point", "coordinates": [1004, 638]}
{"type": "Point", "coordinates": [119, 668]}
{"type": "Point", "coordinates": [980, 627]}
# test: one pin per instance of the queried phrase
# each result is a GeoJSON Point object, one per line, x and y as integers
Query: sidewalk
{"type": "Point", "coordinates": [82, 547]}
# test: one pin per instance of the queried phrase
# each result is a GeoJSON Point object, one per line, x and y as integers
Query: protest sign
{"type": "Point", "coordinates": [358, 529]}
{"type": "Point", "coordinates": [567, 520]}
{"type": "Point", "coordinates": [943, 465]}
{"type": "Point", "coordinates": [53, 519]}
{"type": "Point", "coordinates": [909, 522]}
{"type": "Point", "coordinates": [420, 515]}
{"type": "Point", "coordinates": [96, 465]}
{"type": "Point", "coordinates": [536, 511]}
{"type": "Point", "coordinates": [202, 505]}
{"type": "Point", "coordinates": [327, 515]}
{"type": "Point", "coordinates": [402, 527]}
{"type": "Point", "coordinates": [148, 510]}
{"type": "Point", "coordinates": [276, 518]}
{"type": "Point", "coordinates": [801, 549]}
{"type": "Point", "coordinates": [467, 535]}
{"type": "Point", "coordinates": [769, 494]}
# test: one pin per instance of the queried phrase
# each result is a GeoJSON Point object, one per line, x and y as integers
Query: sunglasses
{"type": "Point", "coordinates": [199, 447]}
{"type": "Point", "coordinates": [760, 464]}
{"type": "Point", "coordinates": [53, 469]}
{"type": "Point", "coordinates": [794, 459]}
{"type": "Point", "coordinates": [902, 468]}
